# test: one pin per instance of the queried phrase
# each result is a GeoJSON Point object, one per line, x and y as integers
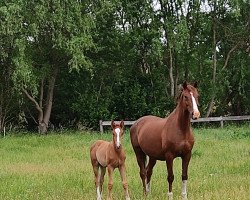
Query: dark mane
{"type": "Point", "coordinates": [180, 90]}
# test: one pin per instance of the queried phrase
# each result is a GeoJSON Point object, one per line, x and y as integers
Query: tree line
{"type": "Point", "coordinates": [70, 63]}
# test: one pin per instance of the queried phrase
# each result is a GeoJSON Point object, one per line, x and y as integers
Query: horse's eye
{"type": "Point", "coordinates": [186, 97]}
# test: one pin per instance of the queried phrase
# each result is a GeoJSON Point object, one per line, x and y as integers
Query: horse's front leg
{"type": "Point", "coordinates": [169, 161]}
{"type": "Point", "coordinates": [122, 170]}
{"type": "Point", "coordinates": [110, 181]}
{"type": "Point", "coordinates": [185, 162]}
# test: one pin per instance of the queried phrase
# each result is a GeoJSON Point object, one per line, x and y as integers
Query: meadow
{"type": "Point", "coordinates": [57, 166]}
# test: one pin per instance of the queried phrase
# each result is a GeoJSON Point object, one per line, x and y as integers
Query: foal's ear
{"type": "Point", "coordinates": [122, 124]}
{"type": "Point", "coordinates": [184, 85]}
{"type": "Point", "coordinates": [113, 124]}
{"type": "Point", "coordinates": [196, 84]}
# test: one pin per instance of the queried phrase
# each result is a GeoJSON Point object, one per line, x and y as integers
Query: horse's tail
{"type": "Point", "coordinates": [134, 133]}
{"type": "Point", "coordinates": [133, 130]}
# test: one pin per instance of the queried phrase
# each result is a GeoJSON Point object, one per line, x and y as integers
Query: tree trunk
{"type": "Point", "coordinates": [44, 112]}
{"type": "Point", "coordinates": [49, 100]}
{"type": "Point", "coordinates": [211, 104]}
{"type": "Point", "coordinates": [166, 13]}
{"type": "Point", "coordinates": [171, 75]}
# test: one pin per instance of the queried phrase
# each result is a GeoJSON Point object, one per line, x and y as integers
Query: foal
{"type": "Point", "coordinates": [111, 155]}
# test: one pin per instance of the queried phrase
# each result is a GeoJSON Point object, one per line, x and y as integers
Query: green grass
{"type": "Point", "coordinates": [57, 166]}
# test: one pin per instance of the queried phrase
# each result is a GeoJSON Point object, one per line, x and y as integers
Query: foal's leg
{"type": "Point", "coordinates": [110, 181]}
{"type": "Point", "coordinates": [169, 161]}
{"type": "Point", "coordinates": [95, 166]}
{"type": "Point", "coordinates": [149, 171]}
{"type": "Point", "coordinates": [103, 171]}
{"type": "Point", "coordinates": [141, 160]}
{"type": "Point", "coordinates": [97, 179]}
{"type": "Point", "coordinates": [185, 162]}
{"type": "Point", "coordinates": [124, 180]}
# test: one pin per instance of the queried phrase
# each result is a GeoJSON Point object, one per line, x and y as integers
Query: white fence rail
{"type": "Point", "coordinates": [209, 119]}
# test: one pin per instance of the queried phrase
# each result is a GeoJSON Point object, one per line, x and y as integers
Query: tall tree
{"type": "Point", "coordinates": [10, 29]}
{"type": "Point", "coordinates": [55, 35]}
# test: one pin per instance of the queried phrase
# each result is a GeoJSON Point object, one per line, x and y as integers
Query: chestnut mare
{"type": "Point", "coordinates": [111, 155]}
{"type": "Point", "coordinates": [166, 138]}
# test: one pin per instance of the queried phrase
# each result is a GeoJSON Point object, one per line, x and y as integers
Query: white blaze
{"type": "Point", "coordinates": [117, 131]}
{"type": "Point", "coordinates": [195, 107]}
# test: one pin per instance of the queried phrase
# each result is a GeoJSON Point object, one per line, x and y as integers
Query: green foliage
{"type": "Point", "coordinates": [114, 56]}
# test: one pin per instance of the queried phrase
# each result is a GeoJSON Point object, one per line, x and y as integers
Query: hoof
{"type": "Point", "coordinates": [170, 195]}
{"type": "Point", "coordinates": [184, 196]}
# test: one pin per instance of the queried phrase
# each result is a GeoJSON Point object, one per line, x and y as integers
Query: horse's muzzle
{"type": "Point", "coordinates": [196, 115]}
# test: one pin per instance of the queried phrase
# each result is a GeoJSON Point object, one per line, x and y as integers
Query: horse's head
{"type": "Point", "coordinates": [117, 130]}
{"type": "Point", "coordinates": [189, 99]}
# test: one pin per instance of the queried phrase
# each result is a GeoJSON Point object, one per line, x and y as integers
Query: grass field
{"type": "Point", "coordinates": [57, 166]}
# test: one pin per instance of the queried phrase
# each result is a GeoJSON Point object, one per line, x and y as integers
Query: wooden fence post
{"type": "Point", "coordinates": [101, 126]}
{"type": "Point", "coordinates": [221, 122]}
{"type": "Point", "coordinates": [4, 131]}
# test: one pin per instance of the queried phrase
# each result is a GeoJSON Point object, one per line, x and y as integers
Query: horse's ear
{"type": "Point", "coordinates": [184, 85]}
{"type": "Point", "coordinates": [122, 124]}
{"type": "Point", "coordinates": [196, 84]}
{"type": "Point", "coordinates": [113, 124]}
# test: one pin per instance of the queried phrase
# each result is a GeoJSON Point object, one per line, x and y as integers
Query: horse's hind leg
{"type": "Point", "coordinates": [149, 171]}
{"type": "Point", "coordinates": [141, 160]}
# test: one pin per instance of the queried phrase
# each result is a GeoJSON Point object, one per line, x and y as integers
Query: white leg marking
{"type": "Point", "coordinates": [127, 198]}
{"type": "Point", "coordinates": [98, 193]}
{"type": "Point", "coordinates": [148, 187]}
{"type": "Point", "coordinates": [184, 190]}
{"type": "Point", "coordinates": [170, 195]}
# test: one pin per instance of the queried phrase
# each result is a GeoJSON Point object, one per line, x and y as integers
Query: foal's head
{"type": "Point", "coordinates": [117, 130]}
{"type": "Point", "coordinates": [189, 99]}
